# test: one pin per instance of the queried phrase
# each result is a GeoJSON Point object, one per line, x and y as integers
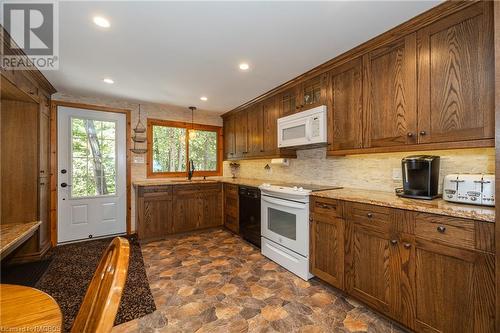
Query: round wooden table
{"type": "Point", "coordinates": [25, 309]}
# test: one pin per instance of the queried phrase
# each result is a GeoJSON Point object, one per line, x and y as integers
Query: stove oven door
{"type": "Point", "coordinates": [286, 222]}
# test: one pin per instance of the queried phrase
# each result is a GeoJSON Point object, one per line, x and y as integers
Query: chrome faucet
{"type": "Point", "coordinates": [190, 170]}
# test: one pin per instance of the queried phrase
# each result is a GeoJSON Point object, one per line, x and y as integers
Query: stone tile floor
{"type": "Point", "coordinates": [214, 281]}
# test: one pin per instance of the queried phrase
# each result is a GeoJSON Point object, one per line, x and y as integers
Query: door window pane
{"type": "Point", "coordinates": [169, 149]}
{"type": "Point", "coordinates": [203, 150]}
{"type": "Point", "coordinates": [93, 157]}
{"type": "Point", "coordinates": [282, 223]}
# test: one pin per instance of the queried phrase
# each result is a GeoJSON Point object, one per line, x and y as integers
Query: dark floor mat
{"type": "Point", "coordinates": [24, 274]}
{"type": "Point", "coordinates": [72, 268]}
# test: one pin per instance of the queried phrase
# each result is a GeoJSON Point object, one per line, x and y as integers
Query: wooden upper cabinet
{"type": "Point", "coordinates": [255, 130]}
{"type": "Point", "coordinates": [288, 102]}
{"type": "Point", "coordinates": [312, 92]}
{"type": "Point", "coordinates": [229, 137]}
{"type": "Point", "coordinates": [390, 93]}
{"type": "Point", "coordinates": [241, 133]}
{"type": "Point", "coordinates": [456, 82]}
{"type": "Point", "coordinates": [270, 113]}
{"type": "Point", "coordinates": [345, 106]}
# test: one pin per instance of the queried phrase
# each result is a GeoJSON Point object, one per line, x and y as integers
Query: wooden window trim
{"type": "Point", "coordinates": [187, 126]}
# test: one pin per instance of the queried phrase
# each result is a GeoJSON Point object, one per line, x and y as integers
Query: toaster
{"type": "Point", "coordinates": [477, 189]}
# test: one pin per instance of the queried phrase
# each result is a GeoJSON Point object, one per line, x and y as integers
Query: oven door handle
{"type": "Point", "coordinates": [284, 203]}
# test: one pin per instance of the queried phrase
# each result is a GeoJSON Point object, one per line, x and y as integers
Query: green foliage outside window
{"type": "Point", "coordinates": [169, 149]}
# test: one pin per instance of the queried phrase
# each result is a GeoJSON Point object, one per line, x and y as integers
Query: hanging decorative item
{"type": "Point", "coordinates": [139, 135]}
{"type": "Point", "coordinates": [192, 133]}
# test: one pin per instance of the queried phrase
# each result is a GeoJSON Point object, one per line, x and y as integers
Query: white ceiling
{"type": "Point", "coordinates": [175, 52]}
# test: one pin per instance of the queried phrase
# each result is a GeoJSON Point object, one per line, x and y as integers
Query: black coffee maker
{"type": "Point", "coordinates": [420, 177]}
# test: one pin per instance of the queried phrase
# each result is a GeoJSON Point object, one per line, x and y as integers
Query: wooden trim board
{"type": "Point", "coordinates": [496, 31]}
{"type": "Point", "coordinates": [53, 160]}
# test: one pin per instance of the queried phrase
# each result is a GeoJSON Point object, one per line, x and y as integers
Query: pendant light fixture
{"type": "Point", "coordinates": [139, 135]}
{"type": "Point", "coordinates": [192, 133]}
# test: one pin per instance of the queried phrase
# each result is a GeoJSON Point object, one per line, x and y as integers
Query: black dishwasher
{"type": "Point", "coordinates": [250, 214]}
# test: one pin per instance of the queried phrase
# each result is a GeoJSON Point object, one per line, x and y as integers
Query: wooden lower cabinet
{"type": "Point", "coordinates": [166, 210]}
{"type": "Point", "coordinates": [454, 289]}
{"type": "Point", "coordinates": [154, 212]}
{"type": "Point", "coordinates": [404, 265]}
{"type": "Point", "coordinates": [231, 208]}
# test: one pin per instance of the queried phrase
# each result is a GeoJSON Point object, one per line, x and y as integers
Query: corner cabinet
{"type": "Point", "coordinates": [429, 272]}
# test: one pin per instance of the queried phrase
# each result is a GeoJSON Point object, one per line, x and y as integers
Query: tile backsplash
{"type": "Point", "coordinates": [370, 171]}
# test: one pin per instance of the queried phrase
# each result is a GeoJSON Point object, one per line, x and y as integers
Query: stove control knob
{"type": "Point", "coordinates": [301, 189]}
{"type": "Point", "coordinates": [295, 188]}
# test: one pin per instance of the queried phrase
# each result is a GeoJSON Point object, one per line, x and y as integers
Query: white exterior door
{"type": "Point", "coordinates": [91, 174]}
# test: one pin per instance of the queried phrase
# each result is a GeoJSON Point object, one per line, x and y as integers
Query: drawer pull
{"type": "Point", "coordinates": [407, 245]}
{"type": "Point", "coordinates": [370, 215]}
{"type": "Point", "coordinates": [441, 229]}
{"type": "Point", "coordinates": [394, 241]}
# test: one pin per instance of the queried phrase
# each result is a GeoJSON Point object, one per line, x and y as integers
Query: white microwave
{"type": "Point", "coordinates": [303, 129]}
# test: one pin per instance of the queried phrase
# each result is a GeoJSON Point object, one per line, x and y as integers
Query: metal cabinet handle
{"type": "Point", "coordinates": [407, 245]}
{"type": "Point", "coordinates": [423, 133]}
{"type": "Point", "coordinates": [441, 229]}
{"type": "Point", "coordinates": [370, 215]}
{"type": "Point", "coordinates": [394, 241]}
{"type": "Point", "coordinates": [409, 134]}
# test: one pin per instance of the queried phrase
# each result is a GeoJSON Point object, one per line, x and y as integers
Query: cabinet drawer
{"type": "Point", "coordinates": [162, 190]}
{"type": "Point", "coordinates": [369, 213]}
{"type": "Point", "coordinates": [447, 230]}
{"type": "Point", "coordinates": [231, 190]}
{"type": "Point", "coordinates": [326, 209]}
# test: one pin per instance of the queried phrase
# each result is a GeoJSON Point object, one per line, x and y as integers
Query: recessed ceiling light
{"type": "Point", "coordinates": [204, 98]}
{"type": "Point", "coordinates": [102, 22]}
{"type": "Point", "coordinates": [108, 81]}
{"type": "Point", "coordinates": [244, 66]}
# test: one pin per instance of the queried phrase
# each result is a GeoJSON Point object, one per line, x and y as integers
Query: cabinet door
{"type": "Point", "coordinates": [327, 250]}
{"type": "Point", "coordinates": [43, 146]}
{"type": "Point", "coordinates": [288, 102]}
{"type": "Point", "coordinates": [255, 130]}
{"type": "Point", "coordinates": [390, 86]}
{"type": "Point", "coordinates": [156, 216]}
{"type": "Point", "coordinates": [241, 133]}
{"type": "Point", "coordinates": [369, 267]}
{"type": "Point", "coordinates": [43, 211]}
{"type": "Point", "coordinates": [312, 92]}
{"type": "Point", "coordinates": [231, 207]}
{"type": "Point", "coordinates": [187, 212]}
{"type": "Point", "coordinates": [454, 289]}
{"type": "Point", "coordinates": [270, 112]}
{"type": "Point", "coordinates": [345, 101]}
{"type": "Point", "coordinates": [212, 209]}
{"type": "Point", "coordinates": [229, 137]}
{"type": "Point", "coordinates": [456, 82]}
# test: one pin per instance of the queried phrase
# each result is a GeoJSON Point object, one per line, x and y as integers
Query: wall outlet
{"type": "Point", "coordinates": [138, 159]}
{"type": "Point", "coordinates": [397, 174]}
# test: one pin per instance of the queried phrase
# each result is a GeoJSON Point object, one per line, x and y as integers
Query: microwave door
{"type": "Point", "coordinates": [292, 133]}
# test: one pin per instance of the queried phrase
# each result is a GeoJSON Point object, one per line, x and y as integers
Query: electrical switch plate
{"type": "Point", "coordinates": [397, 174]}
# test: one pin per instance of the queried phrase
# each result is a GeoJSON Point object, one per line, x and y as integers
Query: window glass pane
{"type": "Point", "coordinates": [203, 150]}
{"type": "Point", "coordinates": [169, 149]}
{"type": "Point", "coordinates": [93, 158]}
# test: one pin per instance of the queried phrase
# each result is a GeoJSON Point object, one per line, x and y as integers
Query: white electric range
{"type": "Point", "coordinates": [285, 225]}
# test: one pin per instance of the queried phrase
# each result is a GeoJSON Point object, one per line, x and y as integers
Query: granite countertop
{"type": "Point", "coordinates": [15, 233]}
{"type": "Point", "coordinates": [197, 180]}
{"type": "Point", "coordinates": [389, 199]}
